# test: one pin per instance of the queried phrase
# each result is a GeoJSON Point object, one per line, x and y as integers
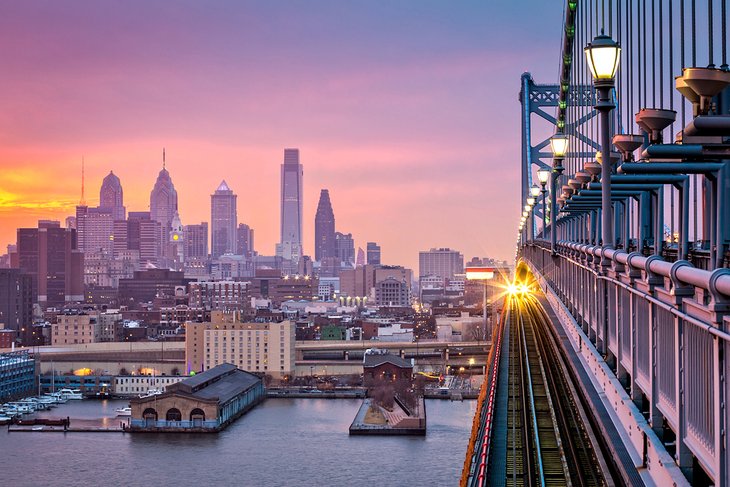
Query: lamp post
{"type": "Point", "coordinates": [535, 193]}
{"type": "Point", "coordinates": [603, 56]}
{"type": "Point", "coordinates": [531, 218]}
{"type": "Point", "coordinates": [559, 145]}
{"type": "Point", "coordinates": [543, 175]}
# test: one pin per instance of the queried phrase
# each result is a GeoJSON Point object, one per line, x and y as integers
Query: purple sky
{"type": "Point", "coordinates": [406, 111]}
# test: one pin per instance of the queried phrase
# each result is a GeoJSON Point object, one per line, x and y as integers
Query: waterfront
{"type": "Point", "coordinates": [281, 442]}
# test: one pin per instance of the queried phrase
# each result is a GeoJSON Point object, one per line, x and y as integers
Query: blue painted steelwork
{"type": "Point", "coordinates": [655, 297]}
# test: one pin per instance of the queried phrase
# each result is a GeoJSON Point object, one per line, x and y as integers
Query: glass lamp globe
{"type": "Point", "coordinates": [603, 55]}
{"type": "Point", "coordinates": [559, 145]}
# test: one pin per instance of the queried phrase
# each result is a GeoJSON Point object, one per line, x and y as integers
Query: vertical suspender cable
{"type": "Point", "coordinates": [639, 73]}
{"type": "Point", "coordinates": [723, 24]}
{"type": "Point", "coordinates": [644, 54]}
{"type": "Point", "coordinates": [671, 106]}
{"type": "Point", "coordinates": [694, 35]}
{"type": "Point", "coordinates": [709, 36]}
{"type": "Point", "coordinates": [661, 54]}
{"type": "Point", "coordinates": [653, 57]}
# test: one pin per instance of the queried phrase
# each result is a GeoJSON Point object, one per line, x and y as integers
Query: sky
{"type": "Point", "coordinates": [407, 111]}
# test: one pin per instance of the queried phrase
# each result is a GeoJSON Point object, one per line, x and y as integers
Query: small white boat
{"type": "Point", "coordinates": [151, 392]}
{"type": "Point", "coordinates": [57, 397]}
{"type": "Point", "coordinates": [22, 409]}
{"type": "Point", "coordinates": [73, 394]}
{"type": "Point", "coordinates": [124, 411]}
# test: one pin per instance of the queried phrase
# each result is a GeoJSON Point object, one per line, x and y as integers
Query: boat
{"type": "Point", "coordinates": [73, 394]}
{"type": "Point", "coordinates": [124, 411]}
{"type": "Point", "coordinates": [22, 408]}
{"type": "Point", "coordinates": [150, 393]}
{"type": "Point", "coordinates": [57, 397]}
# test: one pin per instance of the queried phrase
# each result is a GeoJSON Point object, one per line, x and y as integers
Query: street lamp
{"type": "Point", "coordinates": [603, 57]}
{"type": "Point", "coordinates": [543, 175]}
{"type": "Point", "coordinates": [559, 145]}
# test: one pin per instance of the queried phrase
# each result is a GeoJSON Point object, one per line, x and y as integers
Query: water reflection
{"type": "Point", "coordinates": [281, 442]}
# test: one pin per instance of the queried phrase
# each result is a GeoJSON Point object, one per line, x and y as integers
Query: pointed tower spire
{"type": "Point", "coordinates": [163, 158]}
{"type": "Point", "coordinates": [83, 197]}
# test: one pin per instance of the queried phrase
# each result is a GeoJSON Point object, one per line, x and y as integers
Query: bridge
{"type": "Point", "coordinates": [610, 365]}
{"type": "Point", "coordinates": [327, 357]}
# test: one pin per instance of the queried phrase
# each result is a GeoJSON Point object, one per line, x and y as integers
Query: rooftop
{"type": "Point", "coordinates": [221, 383]}
{"type": "Point", "coordinates": [371, 360]}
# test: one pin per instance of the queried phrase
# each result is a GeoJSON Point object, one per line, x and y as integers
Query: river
{"type": "Point", "coordinates": [282, 442]}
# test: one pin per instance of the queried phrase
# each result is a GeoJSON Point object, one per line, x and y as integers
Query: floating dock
{"type": "Point", "coordinates": [372, 419]}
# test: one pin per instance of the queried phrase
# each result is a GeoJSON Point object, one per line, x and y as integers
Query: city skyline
{"type": "Point", "coordinates": [396, 113]}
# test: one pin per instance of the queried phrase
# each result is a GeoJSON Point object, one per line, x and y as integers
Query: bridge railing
{"type": "Point", "coordinates": [474, 472]}
{"type": "Point", "coordinates": [663, 327]}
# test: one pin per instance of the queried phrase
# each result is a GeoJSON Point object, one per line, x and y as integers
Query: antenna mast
{"type": "Point", "coordinates": [83, 198]}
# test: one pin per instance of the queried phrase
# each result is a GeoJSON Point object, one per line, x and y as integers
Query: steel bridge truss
{"type": "Point", "coordinates": [534, 99]}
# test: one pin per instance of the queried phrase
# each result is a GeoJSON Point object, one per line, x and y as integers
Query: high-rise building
{"type": "Point", "coordinates": [111, 196]}
{"type": "Point", "coordinates": [345, 246]}
{"type": "Point", "coordinates": [196, 241]}
{"type": "Point", "coordinates": [373, 250]}
{"type": "Point", "coordinates": [441, 262]}
{"type": "Point", "coordinates": [292, 173]}
{"type": "Point", "coordinates": [324, 228]}
{"type": "Point", "coordinates": [360, 259]}
{"type": "Point", "coordinates": [244, 240]}
{"type": "Point", "coordinates": [139, 233]}
{"type": "Point", "coordinates": [16, 303]}
{"type": "Point", "coordinates": [163, 202]}
{"type": "Point", "coordinates": [223, 221]}
{"type": "Point", "coordinates": [95, 229]}
{"type": "Point", "coordinates": [49, 254]}
{"type": "Point", "coordinates": [176, 242]}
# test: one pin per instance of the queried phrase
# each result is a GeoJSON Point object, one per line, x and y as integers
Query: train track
{"type": "Point", "coordinates": [548, 442]}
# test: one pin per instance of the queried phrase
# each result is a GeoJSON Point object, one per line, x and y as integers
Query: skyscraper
{"type": "Point", "coordinates": [16, 302]}
{"type": "Point", "coordinates": [95, 227]}
{"type": "Point", "coordinates": [223, 221]}
{"type": "Point", "coordinates": [111, 196]}
{"type": "Point", "coordinates": [292, 173]}
{"type": "Point", "coordinates": [442, 262]}
{"type": "Point", "coordinates": [345, 248]}
{"type": "Point", "coordinates": [244, 240]}
{"type": "Point", "coordinates": [324, 228]}
{"type": "Point", "coordinates": [373, 250]}
{"type": "Point", "coordinates": [163, 202]}
{"type": "Point", "coordinates": [139, 233]}
{"type": "Point", "coordinates": [49, 255]}
{"type": "Point", "coordinates": [196, 241]}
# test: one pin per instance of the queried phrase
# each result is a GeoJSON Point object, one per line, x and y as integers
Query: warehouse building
{"type": "Point", "coordinates": [206, 402]}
